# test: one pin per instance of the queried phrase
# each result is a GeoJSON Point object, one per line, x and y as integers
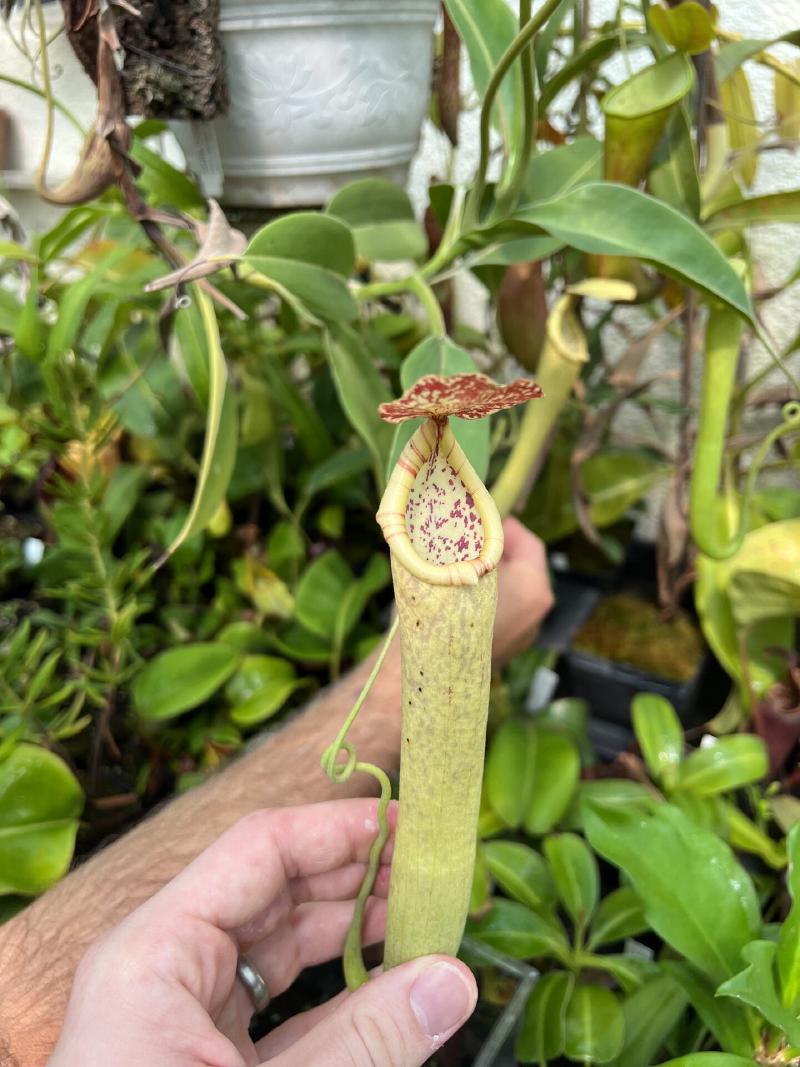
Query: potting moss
{"type": "Point", "coordinates": [626, 629]}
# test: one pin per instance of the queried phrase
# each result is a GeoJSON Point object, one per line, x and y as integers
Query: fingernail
{"type": "Point", "coordinates": [441, 998]}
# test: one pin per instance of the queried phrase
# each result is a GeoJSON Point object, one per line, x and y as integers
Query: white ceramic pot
{"type": "Point", "coordinates": [321, 92]}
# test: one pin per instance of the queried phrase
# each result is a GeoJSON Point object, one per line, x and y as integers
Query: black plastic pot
{"type": "Point", "coordinates": [609, 687]}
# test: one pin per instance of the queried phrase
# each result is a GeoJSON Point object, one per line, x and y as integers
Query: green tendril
{"type": "Point", "coordinates": [355, 972]}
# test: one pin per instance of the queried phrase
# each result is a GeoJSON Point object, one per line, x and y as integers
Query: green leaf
{"type": "Point", "coordinates": [744, 135]}
{"type": "Point", "coordinates": [553, 173]}
{"type": "Point", "coordinates": [757, 211]}
{"type": "Point", "coordinates": [181, 678]}
{"type": "Point", "coordinates": [531, 775]}
{"type": "Point", "coordinates": [755, 985]}
{"type": "Point", "coordinates": [321, 292]}
{"type": "Point", "coordinates": [594, 1027]}
{"type": "Point", "coordinates": [575, 874]}
{"type": "Point", "coordinates": [320, 591]}
{"type": "Point", "coordinates": [487, 28]}
{"type": "Point", "coordinates": [728, 763]}
{"type": "Point", "coordinates": [520, 871]}
{"type": "Point", "coordinates": [75, 300]}
{"type": "Point", "coordinates": [520, 932]}
{"type": "Point", "coordinates": [673, 175]}
{"type": "Point", "coordinates": [381, 219]}
{"type": "Point", "coordinates": [764, 575]}
{"type": "Point", "coordinates": [439, 355]}
{"type": "Point", "coordinates": [711, 911]}
{"type": "Point", "coordinates": [789, 937]}
{"type": "Point", "coordinates": [588, 58]}
{"type": "Point", "coordinates": [337, 469]}
{"type": "Point", "coordinates": [259, 688]}
{"type": "Point", "coordinates": [542, 1029]}
{"type": "Point", "coordinates": [361, 390]}
{"type": "Point", "coordinates": [40, 804]}
{"type": "Point", "coordinates": [303, 417]}
{"type": "Point", "coordinates": [307, 237]}
{"type": "Point", "coordinates": [660, 735]}
{"type": "Point", "coordinates": [651, 1013]}
{"type": "Point", "coordinates": [222, 434]}
{"type": "Point", "coordinates": [732, 54]}
{"type": "Point", "coordinates": [377, 575]}
{"type": "Point", "coordinates": [520, 250]}
{"type": "Point", "coordinates": [606, 218]}
{"type": "Point", "coordinates": [18, 253]}
{"type": "Point", "coordinates": [724, 1019]}
{"type": "Point", "coordinates": [163, 182]}
{"type": "Point", "coordinates": [689, 27]}
{"type": "Point", "coordinates": [618, 916]}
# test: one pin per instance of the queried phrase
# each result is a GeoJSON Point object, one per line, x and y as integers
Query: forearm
{"type": "Point", "coordinates": [40, 949]}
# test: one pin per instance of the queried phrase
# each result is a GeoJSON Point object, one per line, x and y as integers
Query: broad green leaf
{"type": "Point", "coordinates": [337, 469]}
{"type": "Point", "coordinates": [487, 28]}
{"type": "Point", "coordinates": [637, 112]}
{"type": "Point", "coordinates": [520, 871]}
{"type": "Point", "coordinates": [629, 972]}
{"type": "Point", "coordinates": [259, 688]}
{"type": "Point", "coordinates": [531, 775]}
{"type": "Point", "coordinates": [755, 985]}
{"type": "Point", "coordinates": [673, 175]}
{"type": "Point", "coordinates": [222, 433]}
{"type": "Point", "coordinates": [613, 480]}
{"type": "Point", "coordinates": [789, 937]}
{"type": "Point", "coordinates": [728, 763]}
{"type": "Point", "coordinates": [244, 636]}
{"type": "Point", "coordinates": [618, 916]}
{"type": "Point", "coordinates": [603, 217]}
{"type": "Point", "coordinates": [320, 291]}
{"type": "Point", "coordinates": [191, 348]}
{"type": "Point", "coordinates": [542, 1029]}
{"type": "Point", "coordinates": [744, 836]}
{"type": "Point", "coordinates": [710, 912]}
{"type": "Point", "coordinates": [575, 874]}
{"type": "Point", "coordinates": [520, 932]}
{"type": "Point", "coordinates": [181, 678]}
{"type": "Point", "coordinates": [381, 219]}
{"type": "Point", "coordinates": [651, 1013]}
{"type": "Point", "coordinates": [594, 1027]}
{"type": "Point", "coordinates": [439, 355]}
{"type": "Point", "coordinates": [40, 804]}
{"type": "Point", "coordinates": [521, 250]}
{"type": "Point", "coordinates": [320, 592]}
{"type": "Point", "coordinates": [689, 27]}
{"type": "Point", "coordinates": [740, 118]}
{"type": "Point", "coordinates": [361, 390]}
{"type": "Point", "coordinates": [377, 575]}
{"type": "Point", "coordinates": [308, 237]}
{"type": "Point", "coordinates": [303, 417]}
{"type": "Point", "coordinates": [546, 37]}
{"type": "Point", "coordinates": [722, 1017]}
{"type": "Point", "coordinates": [757, 211]}
{"type": "Point", "coordinates": [660, 735]}
{"type": "Point", "coordinates": [302, 645]}
{"type": "Point", "coordinates": [558, 170]}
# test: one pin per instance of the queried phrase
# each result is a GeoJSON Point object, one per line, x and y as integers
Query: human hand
{"type": "Point", "coordinates": [161, 988]}
{"type": "Point", "coordinates": [524, 595]}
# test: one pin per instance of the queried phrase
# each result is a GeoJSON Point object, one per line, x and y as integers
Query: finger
{"type": "Point", "coordinates": [314, 934]}
{"type": "Point", "coordinates": [235, 880]}
{"type": "Point", "coordinates": [396, 1020]}
{"type": "Point", "coordinates": [520, 543]}
{"type": "Point", "coordinates": [339, 885]}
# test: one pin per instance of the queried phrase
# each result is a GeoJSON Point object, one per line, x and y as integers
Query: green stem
{"type": "Point", "coordinates": [31, 88]}
{"type": "Point", "coordinates": [508, 199]}
{"type": "Point", "coordinates": [517, 46]}
{"type": "Point", "coordinates": [431, 306]}
{"type": "Point", "coordinates": [354, 970]}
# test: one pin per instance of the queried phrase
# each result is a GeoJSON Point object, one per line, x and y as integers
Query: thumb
{"type": "Point", "coordinates": [396, 1020]}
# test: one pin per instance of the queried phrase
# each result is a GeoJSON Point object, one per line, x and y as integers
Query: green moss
{"type": "Point", "coordinates": [626, 629]}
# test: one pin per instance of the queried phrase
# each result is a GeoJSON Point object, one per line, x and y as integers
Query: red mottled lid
{"type": "Point", "coordinates": [469, 396]}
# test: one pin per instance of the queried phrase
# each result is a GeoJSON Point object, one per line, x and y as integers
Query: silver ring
{"type": "Point", "coordinates": [253, 981]}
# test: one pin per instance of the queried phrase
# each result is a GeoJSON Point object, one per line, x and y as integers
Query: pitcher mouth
{"type": "Point", "coordinates": [442, 539]}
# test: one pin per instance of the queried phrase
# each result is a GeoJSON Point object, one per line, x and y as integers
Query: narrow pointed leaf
{"type": "Point", "coordinates": [575, 874]}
